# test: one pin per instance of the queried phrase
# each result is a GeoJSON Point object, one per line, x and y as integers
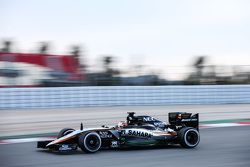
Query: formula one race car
{"type": "Point", "coordinates": [135, 131]}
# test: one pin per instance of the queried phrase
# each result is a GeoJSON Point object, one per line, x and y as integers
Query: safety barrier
{"type": "Point", "coordinates": [14, 98]}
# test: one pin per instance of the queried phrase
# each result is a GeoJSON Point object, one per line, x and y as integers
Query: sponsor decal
{"type": "Point", "coordinates": [114, 144]}
{"type": "Point", "coordinates": [139, 133]}
{"type": "Point", "coordinates": [148, 119]}
{"type": "Point", "coordinates": [66, 147]}
{"type": "Point", "coordinates": [123, 132]}
{"type": "Point", "coordinates": [159, 124]}
{"type": "Point", "coordinates": [186, 120]}
{"type": "Point", "coordinates": [105, 135]}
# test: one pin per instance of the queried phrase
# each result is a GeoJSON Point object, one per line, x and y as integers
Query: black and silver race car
{"type": "Point", "coordinates": [183, 129]}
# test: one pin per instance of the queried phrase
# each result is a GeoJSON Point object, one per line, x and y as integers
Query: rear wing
{"type": "Point", "coordinates": [184, 119]}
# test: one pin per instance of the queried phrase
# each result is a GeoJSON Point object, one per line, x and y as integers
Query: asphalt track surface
{"type": "Point", "coordinates": [33, 121]}
{"type": "Point", "coordinates": [228, 146]}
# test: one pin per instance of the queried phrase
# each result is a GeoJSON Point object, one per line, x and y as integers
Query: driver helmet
{"type": "Point", "coordinates": [122, 124]}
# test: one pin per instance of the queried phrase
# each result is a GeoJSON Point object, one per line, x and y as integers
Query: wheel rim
{"type": "Point", "coordinates": [92, 142]}
{"type": "Point", "coordinates": [192, 138]}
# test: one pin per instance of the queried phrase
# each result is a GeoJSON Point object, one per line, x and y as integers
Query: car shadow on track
{"type": "Point", "coordinates": [78, 151]}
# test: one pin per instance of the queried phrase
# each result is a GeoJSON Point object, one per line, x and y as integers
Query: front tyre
{"type": "Point", "coordinates": [189, 137]}
{"type": "Point", "coordinates": [64, 132]}
{"type": "Point", "coordinates": [90, 142]}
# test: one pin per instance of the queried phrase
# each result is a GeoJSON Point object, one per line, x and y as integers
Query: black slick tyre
{"type": "Point", "coordinates": [188, 137]}
{"type": "Point", "coordinates": [64, 132]}
{"type": "Point", "coordinates": [90, 142]}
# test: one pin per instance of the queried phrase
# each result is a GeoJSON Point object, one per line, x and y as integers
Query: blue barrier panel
{"type": "Point", "coordinates": [14, 98]}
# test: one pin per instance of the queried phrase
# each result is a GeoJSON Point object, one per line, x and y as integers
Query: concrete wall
{"type": "Point", "coordinates": [14, 98]}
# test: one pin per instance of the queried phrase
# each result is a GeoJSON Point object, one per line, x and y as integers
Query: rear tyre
{"type": "Point", "coordinates": [189, 137]}
{"type": "Point", "coordinates": [64, 132]}
{"type": "Point", "coordinates": [90, 142]}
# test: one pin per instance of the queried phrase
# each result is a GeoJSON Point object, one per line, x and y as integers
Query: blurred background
{"type": "Point", "coordinates": [46, 70]}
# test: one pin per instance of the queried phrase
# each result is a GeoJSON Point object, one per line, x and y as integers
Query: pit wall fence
{"type": "Point", "coordinates": [62, 97]}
